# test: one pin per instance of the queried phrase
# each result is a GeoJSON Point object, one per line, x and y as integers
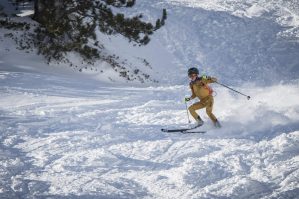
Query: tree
{"type": "Point", "coordinates": [158, 24]}
{"type": "Point", "coordinates": [130, 3]}
{"type": "Point", "coordinates": [68, 25]}
{"type": "Point", "coordinates": [164, 17]}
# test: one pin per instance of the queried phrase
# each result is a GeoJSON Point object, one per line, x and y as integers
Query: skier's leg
{"type": "Point", "coordinates": [194, 107]}
{"type": "Point", "coordinates": [209, 109]}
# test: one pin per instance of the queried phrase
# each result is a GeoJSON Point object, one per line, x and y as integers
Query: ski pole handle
{"type": "Point", "coordinates": [248, 97]}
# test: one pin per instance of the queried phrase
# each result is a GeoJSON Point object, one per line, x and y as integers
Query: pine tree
{"type": "Point", "coordinates": [158, 24]}
{"type": "Point", "coordinates": [130, 3]}
{"type": "Point", "coordinates": [164, 16]}
{"type": "Point", "coordinates": [67, 25]}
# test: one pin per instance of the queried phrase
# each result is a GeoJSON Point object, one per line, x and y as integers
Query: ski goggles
{"type": "Point", "coordinates": [192, 75]}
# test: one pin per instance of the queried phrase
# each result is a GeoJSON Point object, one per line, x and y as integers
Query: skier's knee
{"type": "Point", "coordinates": [208, 111]}
{"type": "Point", "coordinates": [191, 108]}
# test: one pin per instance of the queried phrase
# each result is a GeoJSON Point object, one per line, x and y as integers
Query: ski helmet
{"type": "Point", "coordinates": [193, 71]}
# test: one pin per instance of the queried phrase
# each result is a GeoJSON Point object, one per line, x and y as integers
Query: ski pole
{"type": "Point", "coordinates": [248, 97]}
{"type": "Point", "coordinates": [187, 112]}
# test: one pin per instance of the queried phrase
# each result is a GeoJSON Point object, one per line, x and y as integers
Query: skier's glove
{"type": "Point", "coordinates": [187, 99]}
{"type": "Point", "coordinates": [214, 79]}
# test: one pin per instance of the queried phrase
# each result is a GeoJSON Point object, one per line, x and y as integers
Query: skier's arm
{"type": "Point", "coordinates": [208, 79]}
{"type": "Point", "coordinates": [193, 94]}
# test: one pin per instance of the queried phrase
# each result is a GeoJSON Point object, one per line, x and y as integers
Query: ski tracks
{"type": "Point", "coordinates": [79, 140]}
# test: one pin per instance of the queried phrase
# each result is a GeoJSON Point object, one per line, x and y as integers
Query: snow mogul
{"type": "Point", "coordinates": [200, 89]}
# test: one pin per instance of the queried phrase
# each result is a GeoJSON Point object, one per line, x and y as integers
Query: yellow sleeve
{"type": "Point", "coordinates": [193, 94]}
{"type": "Point", "coordinates": [207, 79]}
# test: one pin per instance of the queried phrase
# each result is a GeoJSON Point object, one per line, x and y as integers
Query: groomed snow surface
{"type": "Point", "coordinates": [65, 135]}
{"type": "Point", "coordinates": [73, 138]}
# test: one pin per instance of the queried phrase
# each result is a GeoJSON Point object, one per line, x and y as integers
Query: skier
{"type": "Point", "coordinates": [199, 87]}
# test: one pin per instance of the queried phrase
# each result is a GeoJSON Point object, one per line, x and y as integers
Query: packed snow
{"type": "Point", "coordinates": [64, 134]}
{"type": "Point", "coordinates": [74, 138]}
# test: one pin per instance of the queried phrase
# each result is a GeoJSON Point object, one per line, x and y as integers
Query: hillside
{"type": "Point", "coordinates": [238, 42]}
{"type": "Point", "coordinates": [75, 138]}
{"type": "Point", "coordinates": [67, 134]}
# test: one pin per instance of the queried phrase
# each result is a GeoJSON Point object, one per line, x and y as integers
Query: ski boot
{"type": "Point", "coordinates": [217, 124]}
{"type": "Point", "coordinates": [199, 122]}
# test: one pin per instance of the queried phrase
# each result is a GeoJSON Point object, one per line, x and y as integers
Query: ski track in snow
{"type": "Point", "coordinates": [66, 138]}
{"type": "Point", "coordinates": [63, 138]}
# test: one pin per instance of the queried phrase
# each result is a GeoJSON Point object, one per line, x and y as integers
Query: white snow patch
{"type": "Point", "coordinates": [25, 13]}
{"type": "Point", "coordinates": [79, 139]}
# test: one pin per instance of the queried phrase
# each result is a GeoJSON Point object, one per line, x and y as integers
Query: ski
{"type": "Point", "coordinates": [174, 130]}
{"type": "Point", "coordinates": [187, 132]}
{"type": "Point", "coordinates": [178, 130]}
{"type": "Point", "coordinates": [183, 130]}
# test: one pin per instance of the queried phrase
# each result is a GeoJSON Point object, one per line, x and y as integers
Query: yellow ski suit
{"type": "Point", "coordinates": [200, 89]}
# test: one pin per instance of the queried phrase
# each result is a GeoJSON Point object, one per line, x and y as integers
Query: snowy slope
{"type": "Point", "coordinates": [235, 40]}
{"type": "Point", "coordinates": [66, 138]}
{"type": "Point", "coordinates": [64, 134]}
{"type": "Point", "coordinates": [238, 41]}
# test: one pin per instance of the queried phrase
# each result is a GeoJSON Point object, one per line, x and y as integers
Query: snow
{"type": "Point", "coordinates": [235, 40]}
{"type": "Point", "coordinates": [82, 139]}
{"type": "Point", "coordinates": [65, 134]}
{"type": "Point", "coordinates": [26, 13]}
